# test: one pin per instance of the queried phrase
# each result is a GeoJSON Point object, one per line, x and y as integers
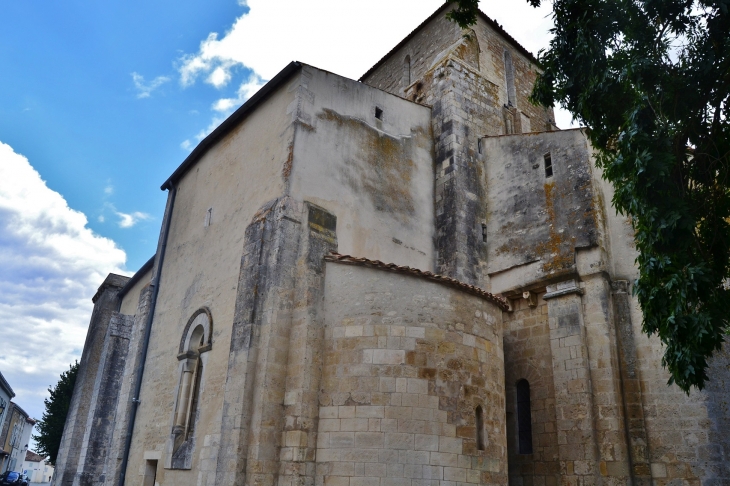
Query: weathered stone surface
{"type": "Point", "coordinates": [388, 399]}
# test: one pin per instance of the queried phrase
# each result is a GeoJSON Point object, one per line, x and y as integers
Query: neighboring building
{"type": "Point", "coordinates": [37, 468]}
{"type": "Point", "coordinates": [6, 395]}
{"type": "Point", "coordinates": [271, 345]}
{"type": "Point", "coordinates": [14, 438]}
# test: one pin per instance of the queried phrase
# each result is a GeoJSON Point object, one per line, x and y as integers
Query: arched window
{"type": "Point", "coordinates": [407, 71]}
{"type": "Point", "coordinates": [524, 418]}
{"type": "Point", "coordinates": [509, 74]}
{"type": "Point", "coordinates": [187, 401]}
{"type": "Point", "coordinates": [195, 341]}
{"type": "Point", "coordinates": [481, 435]}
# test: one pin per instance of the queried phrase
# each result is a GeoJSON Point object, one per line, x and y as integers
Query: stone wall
{"type": "Point", "coordinates": [374, 172]}
{"type": "Point", "coordinates": [215, 201]}
{"type": "Point", "coordinates": [535, 218]}
{"type": "Point", "coordinates": [406, 363]}
{"type": "Point", "coordinates": [528, 357]}
{"type": "Point", "coordinates": [438, 38]}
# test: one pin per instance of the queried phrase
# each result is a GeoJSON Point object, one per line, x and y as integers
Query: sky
{"type": "Point", "coordinates": [101, 101]}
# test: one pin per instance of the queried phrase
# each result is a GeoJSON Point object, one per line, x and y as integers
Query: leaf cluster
{"type": "Point", "coordinates": [465, 12]}
{"type": "Point", "coordinates": [650, 79]}
{"type": "Point", "coordinates": [50, 427]}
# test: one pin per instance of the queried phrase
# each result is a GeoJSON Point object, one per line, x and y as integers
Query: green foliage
{"type": "Point", "coordinates": [465, 13]}
{"type": "Point", "coordinates": [650, 79]}
{"type": "Point", "coordinates": [50, 428]}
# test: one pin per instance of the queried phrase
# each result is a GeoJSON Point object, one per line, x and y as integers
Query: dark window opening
{"type": "Point", "coordinates": [509, 74]}
{"type": "Point", "coordinates": [524, 417]}
{"type": "Point", "coordinates": [479, 145]}
{"type": "Point", "coordinates": [194, 400]}
{"type": "Point", "coordinates": [150, 473]}
{"type": "Point", "coordinates": [407, 71]}
{"type": "Point", "coordinates": [378, 113]}
{"type": "Point", "coordinates": [548, 165]}
{"type": "Point", "coordinates": [479, 412]}
{"type": "Point", "coordinates": [484, 233]}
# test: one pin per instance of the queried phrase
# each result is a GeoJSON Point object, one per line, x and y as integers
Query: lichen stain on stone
{"type": "Point", "coordinates": [286, 169]}
{"type": "Point", "coordinates": [559, 250]}
{"type": "Point", "coordinates": [383, 167]}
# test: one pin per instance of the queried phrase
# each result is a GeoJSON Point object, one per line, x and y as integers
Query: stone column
{"type": "Point", "coordinates": [464, 109]}
{"type": "Point", "coordinates": [102, 410]}
{"type": "Point", "coordinates": [577, 448]}
{"type": "Point", "coordinates": [604, 365]}
{"type": "Point", "coordinates": [306, 342]}
{"type": "Point", "coordinates": [124, 409]}
{"type": "Point", "coordinates": [105, 304]}
{"type": "Point", "coordinates": [258, 343]}
{"type": "Point", "coordinates": [631, 384]}
{"type": "Point", "coordinates": [268, 364]}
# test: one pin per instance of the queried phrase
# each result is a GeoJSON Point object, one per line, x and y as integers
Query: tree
{"type": "Point", "coordinates": [50, 428]}
{"type": "Point", "coordinates": [650, 81]}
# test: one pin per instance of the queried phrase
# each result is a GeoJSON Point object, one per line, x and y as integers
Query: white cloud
{"type": "Point", "coordinates": [109, 190]}
{"type": "Point", "coordinates": [127, 220]}
{"type": "Point", "coordinates": [323, 33]}
{"type": "Point", "coordinates": [51, 264]}
{"type": "Point", "coordinates": [144, 90]}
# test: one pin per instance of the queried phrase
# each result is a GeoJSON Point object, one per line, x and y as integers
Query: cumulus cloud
{"type": "Point", "coordinates": [51, 264]}
{"type": "Point", "coordinates": [145, 89]}
{"type": "Point", "coordinates": [323, 33]}
{"type": "Point", "coordinates": [131, 219]}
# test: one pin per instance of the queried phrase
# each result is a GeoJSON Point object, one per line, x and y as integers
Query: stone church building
{"type": "Point", "coordinates": [414, 279]}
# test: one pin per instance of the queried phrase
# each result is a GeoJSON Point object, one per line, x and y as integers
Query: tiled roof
{"type": "Point", "coordinates": [452, 282]}
{"type": "Point", "coordinates": [33, 457]}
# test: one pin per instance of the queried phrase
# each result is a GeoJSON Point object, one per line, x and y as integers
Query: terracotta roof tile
{"type": "Point", "coordinates": [452, 282]}
{"type": "Point", "coordinates": [33, 457]}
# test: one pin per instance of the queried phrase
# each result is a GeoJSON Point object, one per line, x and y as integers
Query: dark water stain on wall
{"type": "Point", "coordinates": [382, 166]}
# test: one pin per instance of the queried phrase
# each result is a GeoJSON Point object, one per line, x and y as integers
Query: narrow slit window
{"type": "Point", "coordinates": [479, 145]}
{"type": "Point", "coordinates": [548, 165]}
{"type": "Point", "coordinates": [407, 71]}
{"type": "Point", "coordinates": [509, 74]}
{"type": "Point", "coordinates": [208, 217]}
{"type": "Point", "coordinates": [378, 113]}
{"type": "Point", "coordinates": [479, 412]}
{"type": "Point", "coordinates": [524, 418]}
{"type": "Point", "coordinates": [484, 233]}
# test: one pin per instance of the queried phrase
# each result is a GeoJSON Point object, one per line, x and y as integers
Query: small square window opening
{"type": "Point", "coordinates": [378, 113]}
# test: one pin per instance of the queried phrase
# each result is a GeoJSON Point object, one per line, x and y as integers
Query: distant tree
{"type": "Point", "coordinates": [650, 79]}
{"type": "Point", "coordinates": [50, 428]}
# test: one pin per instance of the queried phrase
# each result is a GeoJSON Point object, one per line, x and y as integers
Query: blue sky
{"type": "Point", "coordinates": [68, 101]}
{"type": "Point", "coordinates": [101, 101]}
